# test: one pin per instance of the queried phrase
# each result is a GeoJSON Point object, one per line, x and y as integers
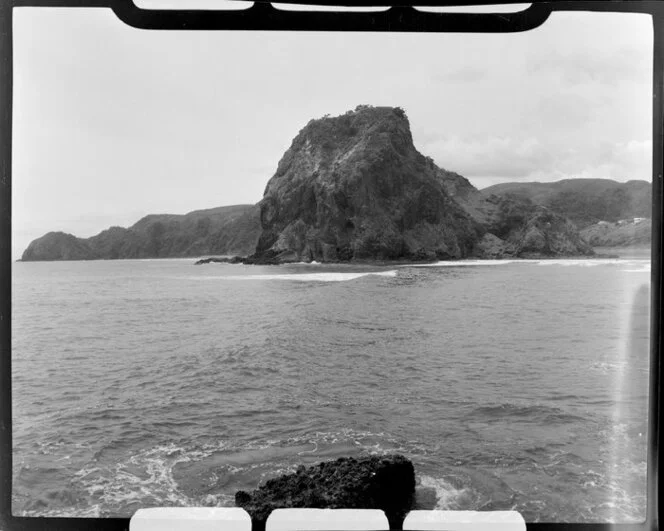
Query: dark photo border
{"type": "Point", "coordinates": [262, 16]}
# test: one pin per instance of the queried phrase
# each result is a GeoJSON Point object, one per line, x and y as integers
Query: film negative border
{"type": "Point", "coordinates": [262, 16]}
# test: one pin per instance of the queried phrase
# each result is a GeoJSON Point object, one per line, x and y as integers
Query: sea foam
{"type": "Point", "coordinates": [448, 497]}
{"type": "Point", "coordinates": [643, 265]}
{"type": "Point", "coordinates": [331, 276]}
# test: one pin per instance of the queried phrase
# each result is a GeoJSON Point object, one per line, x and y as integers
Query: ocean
{"type": "Point", "coordinates": [510, 384]}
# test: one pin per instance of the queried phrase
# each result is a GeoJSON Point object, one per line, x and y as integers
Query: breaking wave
{"type": "Point", "coordinates": [566, 262]}
{"type": "Point", "coordinates": [305, 277]}
{"type": "Point", "coordinates": [448, 496]}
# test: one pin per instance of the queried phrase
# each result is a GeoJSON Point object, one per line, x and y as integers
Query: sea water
{"type": "Point", "coordinates": [510, 384]}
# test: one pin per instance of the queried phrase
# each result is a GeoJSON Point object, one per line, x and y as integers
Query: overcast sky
{"type": "Point", "coordinates": [112, 123]}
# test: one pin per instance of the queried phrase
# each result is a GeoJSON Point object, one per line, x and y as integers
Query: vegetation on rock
{"type": "Point", "coordinates": [635, 232]}
{"type": "Point", "coordinates": [584, 201]}
{"type": "Point", "coordinates": [217, 231]}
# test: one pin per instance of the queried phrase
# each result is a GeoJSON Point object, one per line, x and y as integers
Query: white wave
{"type": "Point", "coordinates": [91, 511]}
{"type": "Point", "coordinates": [145, 475]}
{"type": "Point", "coordinates": [305, 277]}
{"type": "Point", "coordinates": [465, 263]}
{"type": "Point", "coordinates": [448, 497]}
{"type": "Point", "coordinates": [565, 262]}
{"type": "Point", "coordinates": [590, 262]}
{"type": "Point", "coordinates": [643, 269]}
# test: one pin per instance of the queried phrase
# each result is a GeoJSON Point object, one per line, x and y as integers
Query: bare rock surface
{"type": "Point", "coordinates": [385, 482]}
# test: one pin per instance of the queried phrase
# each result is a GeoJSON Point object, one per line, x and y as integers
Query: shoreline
{"type": "Point", "coordinates": [389, 263]}
{"type": "Point", "coordinates": [605, 253]}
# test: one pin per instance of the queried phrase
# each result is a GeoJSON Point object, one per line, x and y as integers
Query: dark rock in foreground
{"type": "Point", "coordinates": [386, 483]}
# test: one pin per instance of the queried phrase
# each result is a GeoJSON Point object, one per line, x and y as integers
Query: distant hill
{"type": "Point", "coordinates": [584, 201]}
{"type": "Point", "coordinates": [351, 188]}
{"type": "Point", "coordinates": [216, 231]}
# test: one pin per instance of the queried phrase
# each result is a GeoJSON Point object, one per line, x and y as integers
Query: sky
{"type": "Point", "coordinates": [112, 123]}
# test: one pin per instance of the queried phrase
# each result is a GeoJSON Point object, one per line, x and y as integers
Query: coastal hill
{"type": "Point", "coordinates": [217, 231]}
{"type": "Point", "coordinates": [584, 201]}
{"type": "Point", "coordinates": [349, 188]}
{"type": "Point", "coordinates": [608, 213]}
{"type": "Point", "coordinates": [634, 232]}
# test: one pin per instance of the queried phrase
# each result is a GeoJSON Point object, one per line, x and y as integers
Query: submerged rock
{"type": "Point", "coordinates": [386, 483]}
{"type": "Point", "coordinates": [220, 260]}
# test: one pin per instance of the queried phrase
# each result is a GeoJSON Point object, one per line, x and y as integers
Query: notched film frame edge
{"type": "Point", "coordinates": [262, 16]}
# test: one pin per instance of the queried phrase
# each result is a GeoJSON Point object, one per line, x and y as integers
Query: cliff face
{"type": "Point", "coordinates": [218, 231]}
{"type": "Point", "coordinates": [354, 187]}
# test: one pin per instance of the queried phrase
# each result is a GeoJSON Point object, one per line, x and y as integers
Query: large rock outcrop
{"type": "Point", "coordinates": [354, 187]}
{"type": "Point", "coordinates": [386, 482]}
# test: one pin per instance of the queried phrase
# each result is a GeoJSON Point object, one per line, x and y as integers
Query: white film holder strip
{"type": "Point", "coordinates": [236, 519]}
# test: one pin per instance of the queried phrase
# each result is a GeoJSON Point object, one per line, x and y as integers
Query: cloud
{"type": "Point", "coordinates": [493, 155]}
{"type": "Point", "coordinates": [496, 158]}
{"type": "Point", "coordinates": [566, 110]}
{"type": "Point", "coordinates": [461, 75]}
{"type": "Point", "coordinates": [578, 68]}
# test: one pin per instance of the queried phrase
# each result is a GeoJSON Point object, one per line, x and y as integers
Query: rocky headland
{"type": "Point", "coordinates": [386, 483]}
{"type": "Point", "coordinates": [231, 230]}
{"type": "Point", "coordinates": [354, 188]}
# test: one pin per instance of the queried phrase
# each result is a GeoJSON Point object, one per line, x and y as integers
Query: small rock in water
{"type": "Point", "coordinates": [386, 483]}
{"type": "Point", "coordinates": [223, 260]}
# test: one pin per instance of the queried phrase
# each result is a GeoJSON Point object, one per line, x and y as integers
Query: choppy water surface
{"type": "Point", "coordinates": [511, 385]}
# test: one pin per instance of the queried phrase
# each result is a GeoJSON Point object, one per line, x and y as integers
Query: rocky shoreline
{"type": "Point", "coordinates": [251, 261]}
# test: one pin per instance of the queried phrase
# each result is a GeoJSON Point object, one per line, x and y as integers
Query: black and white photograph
{"type": "Point", "coordinates": [385, 270]}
